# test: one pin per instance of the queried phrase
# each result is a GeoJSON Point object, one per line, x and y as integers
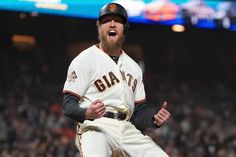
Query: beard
{"type": "Point", "coordinates": [111, 45]}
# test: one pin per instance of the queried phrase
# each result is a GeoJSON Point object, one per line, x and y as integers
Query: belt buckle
{"type": "Point", "coordinates": [116, 115]}
{"type": "Point", "coordinates": [121, 113]}
{"type": "Point", "coordinates": [122, 116]}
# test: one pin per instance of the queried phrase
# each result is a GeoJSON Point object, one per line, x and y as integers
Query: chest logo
{"type": "Point", "coordinates": [106, 81]}
{"type": "Point", "coordinates": [110, 80]}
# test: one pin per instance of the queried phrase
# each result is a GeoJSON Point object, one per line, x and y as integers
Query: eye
{"type": "Point", "coordinates": [105, 20]}
{"type": "Point", "coordinates": [118, 19]}
{"type": "Point", "coordinates": [110, 18]}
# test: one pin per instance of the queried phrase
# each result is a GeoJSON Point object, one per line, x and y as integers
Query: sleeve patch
{"type": "Point", "coordinates": [72, 77]}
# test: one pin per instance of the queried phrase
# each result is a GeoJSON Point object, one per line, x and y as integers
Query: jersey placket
{"type": "Point", "coordinates": [124, 85]}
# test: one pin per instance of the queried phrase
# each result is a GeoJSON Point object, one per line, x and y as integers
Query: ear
{"type": "Point", "coordinates": [126, 27]}
{"type": "Point", "coordinates": [98, 24]}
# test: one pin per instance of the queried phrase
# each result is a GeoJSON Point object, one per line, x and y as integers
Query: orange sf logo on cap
{"type": "Point", "coordinates": [112, 7]}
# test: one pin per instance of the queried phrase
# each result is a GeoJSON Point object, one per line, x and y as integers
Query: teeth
{"type": "Point", "coordinates": [112, 33]}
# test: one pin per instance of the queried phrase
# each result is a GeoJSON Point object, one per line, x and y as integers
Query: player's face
{"type": "Point", "coordinates": [111, 31]}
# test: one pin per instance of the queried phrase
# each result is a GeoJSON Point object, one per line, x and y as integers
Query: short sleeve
{"type": "Point", "coordinates": [78, 76]}
{"type": "Point", "coordinates": [139, 91]}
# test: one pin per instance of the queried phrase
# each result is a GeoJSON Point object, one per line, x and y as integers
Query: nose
{"type": "Point", "coordinates": [112, 23]}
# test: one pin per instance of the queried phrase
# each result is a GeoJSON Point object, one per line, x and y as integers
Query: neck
{"type": "Point", "coordinates": [112, 51]}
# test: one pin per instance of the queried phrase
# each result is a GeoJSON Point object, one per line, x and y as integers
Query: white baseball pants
{"type": "Point", "coordinates": [114, 136]}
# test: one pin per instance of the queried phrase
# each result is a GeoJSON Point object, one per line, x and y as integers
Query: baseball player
{"type": "Point", "coordinates": [104, 93]}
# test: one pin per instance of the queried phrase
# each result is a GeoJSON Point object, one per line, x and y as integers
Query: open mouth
{"type": "Point", "coordinates": [112, 33]}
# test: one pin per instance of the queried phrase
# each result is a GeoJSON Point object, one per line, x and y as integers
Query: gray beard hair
{"type": "Point", "coordinates": [108, 47]}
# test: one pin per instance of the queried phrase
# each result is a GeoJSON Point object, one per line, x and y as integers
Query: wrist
{"type": "Point", "coordinates": [155, 122]}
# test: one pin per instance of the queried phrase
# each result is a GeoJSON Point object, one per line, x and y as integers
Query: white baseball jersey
{"type": "Point", "coordinates": [94, 75]}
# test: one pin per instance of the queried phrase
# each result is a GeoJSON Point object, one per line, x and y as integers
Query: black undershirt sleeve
{"type": "Point", "coordinates": [72, 109]}
{"type": "Point", "coordinates": [143, 117]}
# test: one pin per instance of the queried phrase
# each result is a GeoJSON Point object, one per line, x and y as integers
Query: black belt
{"type": "Point", "coordinates": [118, 115]}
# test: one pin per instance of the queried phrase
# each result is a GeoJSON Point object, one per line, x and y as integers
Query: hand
{"type": "Point", "coordinates": [162, 115]}
{"type": "Point", "coordinates": [95, 110]}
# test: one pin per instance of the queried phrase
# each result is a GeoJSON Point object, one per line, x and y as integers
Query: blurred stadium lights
{"type": "Point", "coordinates": [34, 14]}
{"type": "Point", "coordinates": [51, 6]}
{"type": "Point", "coordinates": [22, 15]}
{"type": "Point", "coordinates": [178, 28]}
{"type": "Point", "coordinates": [23, 41]}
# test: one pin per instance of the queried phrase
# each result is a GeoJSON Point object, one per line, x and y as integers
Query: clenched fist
{"type": "Point", "coordinates": [95, 110]}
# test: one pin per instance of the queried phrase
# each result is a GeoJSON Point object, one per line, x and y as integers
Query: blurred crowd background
{"type": "Point", "coordinates": [195, 71]}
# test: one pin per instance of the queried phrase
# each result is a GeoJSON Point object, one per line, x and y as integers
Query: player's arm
{"type": "Point", "coordinates": [71, 108]}
{"type": "Point", "coordinates": [145, 116]}
{"type": "Point", "coordinates": [142, 117]}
